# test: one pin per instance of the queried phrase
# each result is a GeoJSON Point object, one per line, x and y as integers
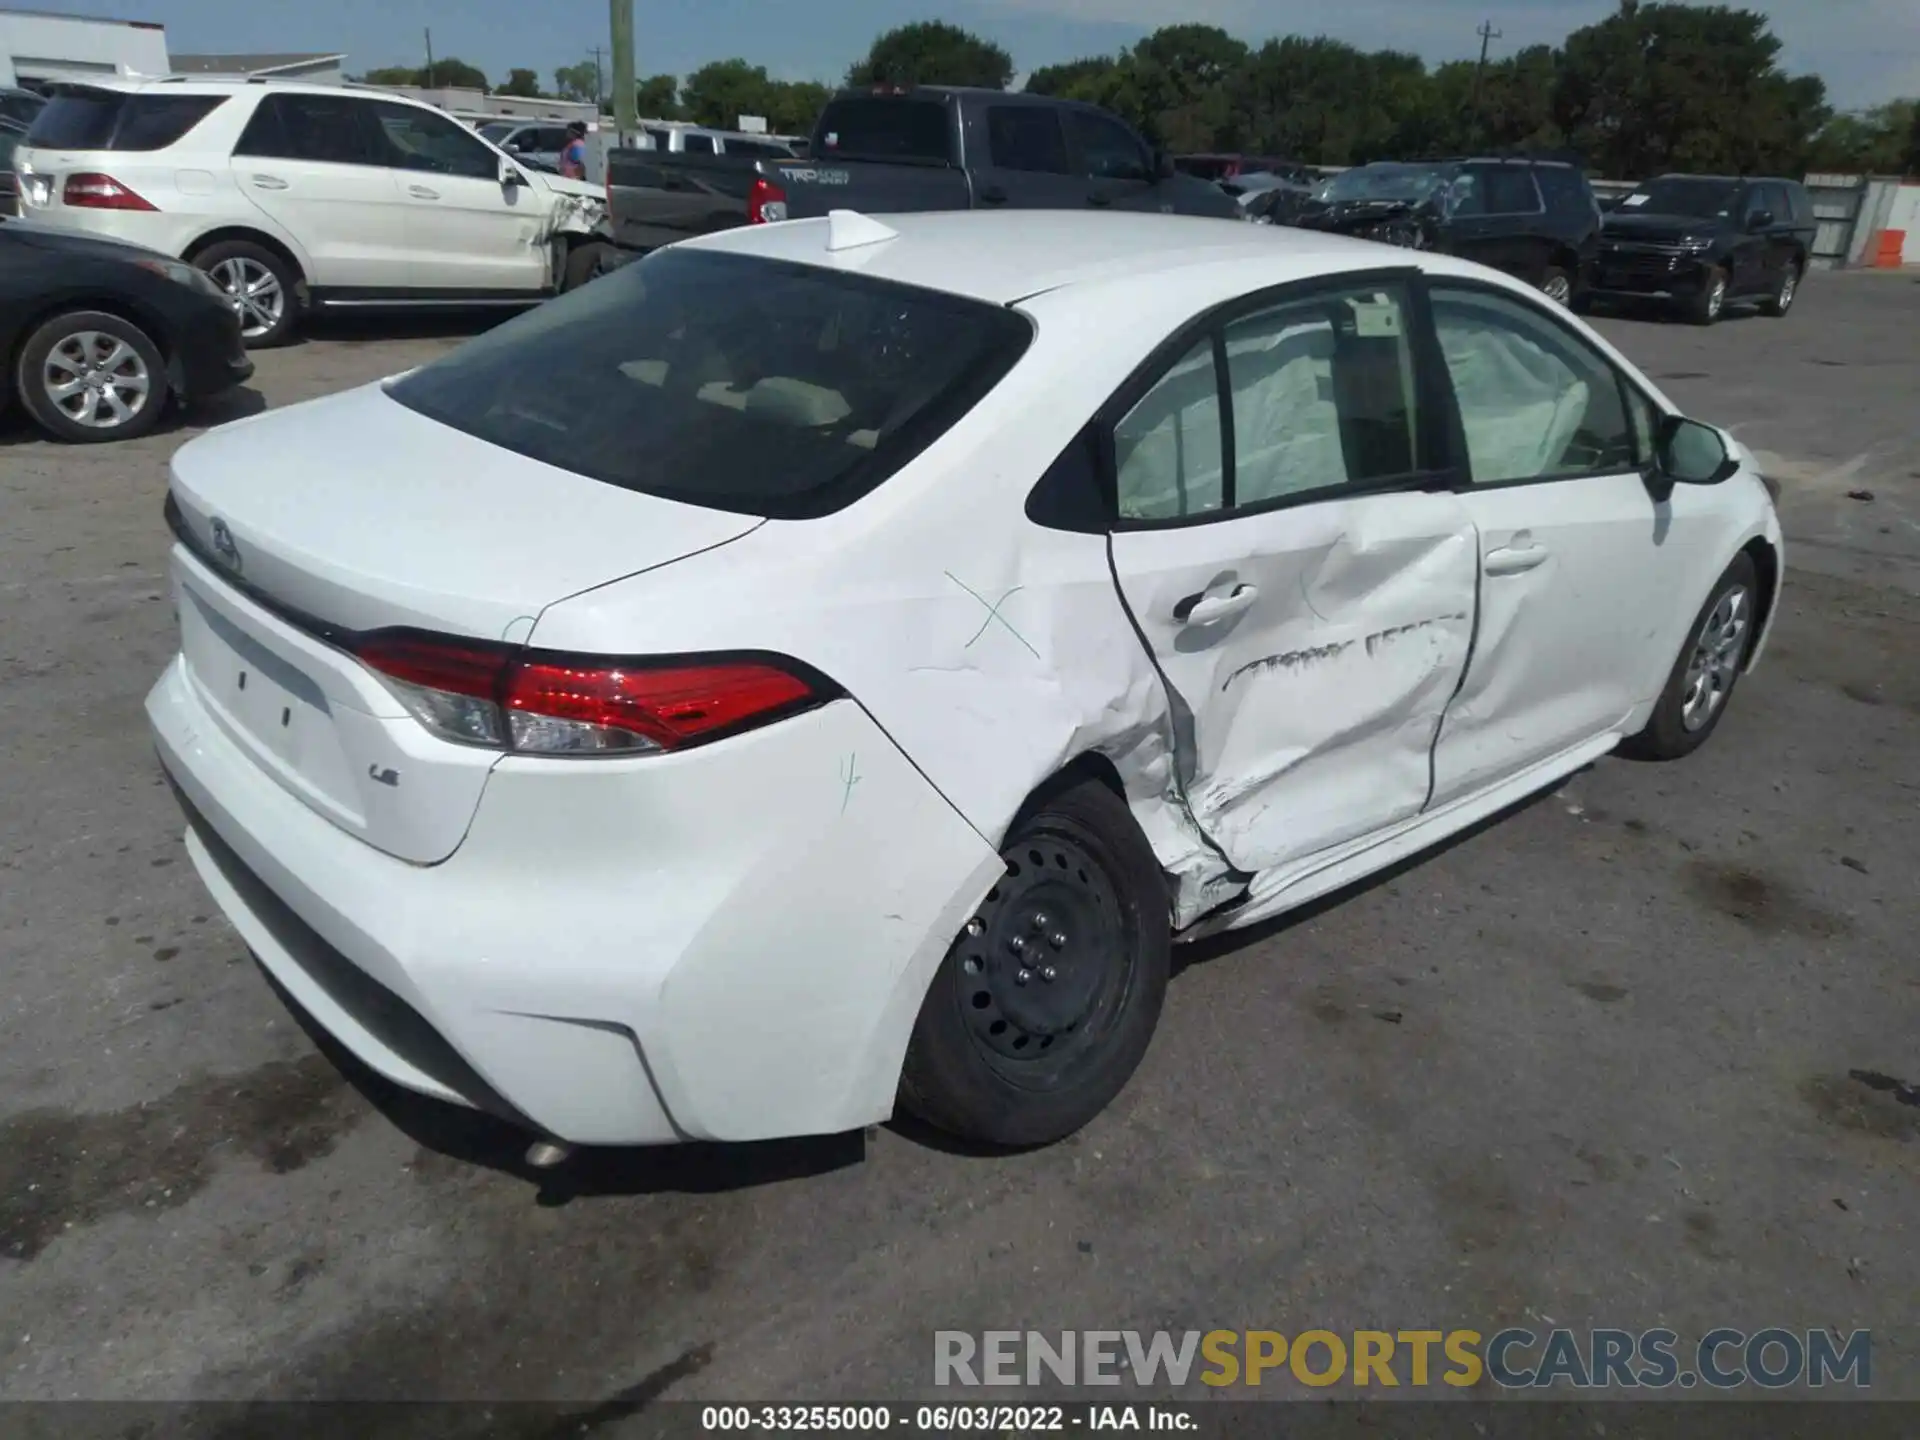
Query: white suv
{"type": "Point", "coordinates": [307, 195]}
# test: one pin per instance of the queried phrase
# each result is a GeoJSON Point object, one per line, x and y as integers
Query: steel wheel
{"type": "Point", "coordinates": [1046, 967]}
{"type": "Point", "coordinates": [1715, 661]}
{"type": "Point", "coordinates": [97, 380]}
{"type": "Point", "coordinates": [254, 292]}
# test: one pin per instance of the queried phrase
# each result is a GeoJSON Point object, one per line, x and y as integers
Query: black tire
{"type": "Point", "coordinates": [1015, 1063]}
{"type": "Point", "coordinates": [585, 261]}
{"type": "Point", "coordinates": [221, 262]}
{"type": "Point", "coordinates": [66, 333]}
{"type": "Point", "coordinates": [1784, 294]}
{"type": "Point", "coordinates": [1667, 735]}
{"type": "Point", "coordinates": [1710, 302]}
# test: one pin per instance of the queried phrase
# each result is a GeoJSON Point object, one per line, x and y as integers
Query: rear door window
{"type": "Point", "coordinates": [734, 382]}
{"type": "Point", "coordinates": [114, 120]}
{"type": "Point", "coordinates": [1027, 137]}
{"type": "Point", "coordinates": [699, 144]}
{"type": "Point", "coordinates": [885, 127]}
{"type": "Point", "coordinates": [333, 129]}
{"type": "Point", "coordinates": [1565, 191]}
{"type": "Point", "coordinates": [1506, 190]}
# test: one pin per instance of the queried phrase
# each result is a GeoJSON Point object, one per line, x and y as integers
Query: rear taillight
{"type": "Point", "coordinates": [766, 202]}
{"type": "Point", "coordinates": [89, 190]}
{"type": "Point", "coordinates": [538, 703]}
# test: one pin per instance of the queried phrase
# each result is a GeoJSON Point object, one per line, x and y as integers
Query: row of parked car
{"type": "Point", "coordinates": [287, 198]}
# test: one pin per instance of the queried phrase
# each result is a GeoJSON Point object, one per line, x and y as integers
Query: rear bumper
{"type": "Point", "coordinates": [730, 944]}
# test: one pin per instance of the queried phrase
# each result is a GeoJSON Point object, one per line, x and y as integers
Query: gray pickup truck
{"type": "Point", "coordinates": [928, 147]}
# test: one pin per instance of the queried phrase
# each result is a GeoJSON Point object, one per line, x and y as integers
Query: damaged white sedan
{"type": "Point", "coordinates": [824, 666]}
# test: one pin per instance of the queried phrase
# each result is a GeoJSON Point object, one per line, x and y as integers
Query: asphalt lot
{"type": "Point", "coordinates": [1589, 1066]}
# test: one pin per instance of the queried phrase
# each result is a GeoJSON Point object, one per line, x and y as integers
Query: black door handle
{"type": "Point", "coordinates": [1099, 197]}
{"type": "Point", "coordinates": [993, 195]}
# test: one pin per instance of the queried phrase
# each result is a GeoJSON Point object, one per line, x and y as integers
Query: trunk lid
{"type": "Point", "coordinates": [355, 513]}
{"type": "Point", "coordinates": [872, 187]}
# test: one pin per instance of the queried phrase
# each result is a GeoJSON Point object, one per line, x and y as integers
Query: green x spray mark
{"type": "Point", "coordinates": [993, 613]}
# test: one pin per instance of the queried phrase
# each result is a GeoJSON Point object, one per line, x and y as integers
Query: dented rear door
{"type": "Point", "coordinates": [1306, 588]}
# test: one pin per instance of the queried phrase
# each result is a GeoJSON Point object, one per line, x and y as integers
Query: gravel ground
{"type": "Point", "coordinates": [1594, 1062]}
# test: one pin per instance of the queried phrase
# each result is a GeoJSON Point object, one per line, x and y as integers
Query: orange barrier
{"type": "Point", "coordinates": [1890, 245]}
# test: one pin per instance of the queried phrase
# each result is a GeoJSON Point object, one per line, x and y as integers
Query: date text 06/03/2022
{"type": "Point", "coordinates": [944, 1419]}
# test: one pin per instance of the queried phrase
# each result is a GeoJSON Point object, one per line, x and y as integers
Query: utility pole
{"type": "Point", "coordinates": [1487, 34]}
{"type": "Point", "coordinates": [428, 77]}
{"type": "Point", "coordinates": [599, 77]}
{"type": "Point", "coordinates": [625, 101]}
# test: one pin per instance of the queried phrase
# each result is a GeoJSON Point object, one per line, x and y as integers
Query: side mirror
{"type": "Point", "coordinates": [1689, 453]}
{"type": "Point", "coordinates": [1760, 220]}
{"type": "Point", "coordinates": [510, 176]}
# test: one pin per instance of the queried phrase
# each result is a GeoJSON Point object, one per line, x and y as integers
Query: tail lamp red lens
{"type": "Point", "coordinates": [536, 702]}
{"type": "Point", "coordinates": [766, 202]}
{"type": "Point", "coordinates": [90, 190]}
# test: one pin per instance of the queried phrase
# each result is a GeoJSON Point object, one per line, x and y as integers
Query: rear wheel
{"type": "Point", "coordinates": [1781, 301]}
{"type": "Point", "coordinates": [260, 286]}
{"type": "Point", "coordinates": [1048, 997]}
{"type": "Point", "coordinates": [88, 376]}
{"type": "Point", "coordinates": [1706, 671]}
{"type": "Point", "coordinates": [1711, 302]}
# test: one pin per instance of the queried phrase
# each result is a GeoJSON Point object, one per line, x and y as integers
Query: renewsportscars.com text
{"type": "Point", "coordinates": [1515, 1359]}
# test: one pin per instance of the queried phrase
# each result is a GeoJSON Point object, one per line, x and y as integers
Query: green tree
{"type": "Point", "coordinates": [1684, 87]}
{"type": "Point", "coordinates": [524, 83]}
{"type": "Point", "coordinates": [658, 97]}
{"type": "Point", "coordinates": [1910, 165]}
{"type": "Point", "coordinates": [1871, 142]}
{"type": "Point", "coordinates": [1072, 80]}
{"type": "Point", "coordinates": [932, 52]}
{"type": "Point", "coordinates": [1176, 83]}
{"type": "Point", "coordinates": [454, 73]}
{"type": "Point", "coordinates": [721, 91]}
{"type": "Point", "coordinates": [580, 83]}
{"type": "Point", "coordinates": [794, 106]}
{"type": "Point", "coordinates": [391, 75]}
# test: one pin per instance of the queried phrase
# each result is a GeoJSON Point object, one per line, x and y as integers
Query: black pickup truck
{"type": "Point", "coordinates": [894, 150]}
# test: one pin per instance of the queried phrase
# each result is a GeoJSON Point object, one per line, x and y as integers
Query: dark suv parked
{"type": "Point", "coordinates": [1533, 218]}
{"type": "Point", "coordinates": [1703, 241]}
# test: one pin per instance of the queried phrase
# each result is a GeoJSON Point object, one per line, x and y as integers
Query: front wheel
{"type": "Point", "coordinates": [1706, 307]}
{"type": "Point", "coordinates": [1557, 286]}
{"type": "Point", "coordinates": [585, 261]}
{"type": "Point", "coordinates": [88, 377]}
{"type": "Point", "coordinates": [1048, 996]}
{"type": "Point", "coordinates": [1703, 677]}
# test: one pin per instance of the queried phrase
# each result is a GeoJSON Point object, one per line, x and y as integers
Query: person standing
{"type": "Point", "coordinates": [573, 155]}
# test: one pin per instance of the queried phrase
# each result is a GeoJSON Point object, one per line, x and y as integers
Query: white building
{"type": "Point", "coordinates": [36, 47]}
{"type": "Point", "coordinates": [308, 69]}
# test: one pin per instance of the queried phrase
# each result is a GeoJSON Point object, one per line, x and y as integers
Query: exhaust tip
{"type": "Point", "coordinates": [545, 1154]}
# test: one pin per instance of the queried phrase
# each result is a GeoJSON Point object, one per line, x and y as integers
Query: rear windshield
{"type": "Point", "coordinates": [112, 120]}
{"type": "Point", "coordinates": [737, 383]}
{"type": "Point", "coordinates": [884, 127]}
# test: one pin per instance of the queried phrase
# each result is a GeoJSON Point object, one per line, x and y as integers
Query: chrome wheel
{"type": "Point", "coordinates": [1716, 658]}
{"type": "Point", "coordinates": [97, 380]}
{"type": "Point", "coordinates": [1789, 283]}
{"type": "Point", "coordinates": [254, 292]}
{"type": "Point", "coordinates": [1558, 289]}
{"type": "Point", "coordinates": [1717, 298]}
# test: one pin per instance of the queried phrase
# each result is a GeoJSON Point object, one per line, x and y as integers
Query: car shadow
{"type": "Point", "coordinates": [367, 327]}
{"type": "Point", "coordinates": [473, 1137]}
{"type": "Point", "coordinates": [1229, 942]}
{"type": "Point", "coordinates": [1661, 312]}
{"type": "Point", "coordinates": [18, 428]}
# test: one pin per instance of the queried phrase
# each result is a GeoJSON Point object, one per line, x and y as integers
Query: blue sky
{"type": "Point", "coordinates": [1868, 50]}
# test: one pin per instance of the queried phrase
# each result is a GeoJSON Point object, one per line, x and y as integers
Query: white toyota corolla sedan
{"type": "Point", "coordinates": [822, 667]}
